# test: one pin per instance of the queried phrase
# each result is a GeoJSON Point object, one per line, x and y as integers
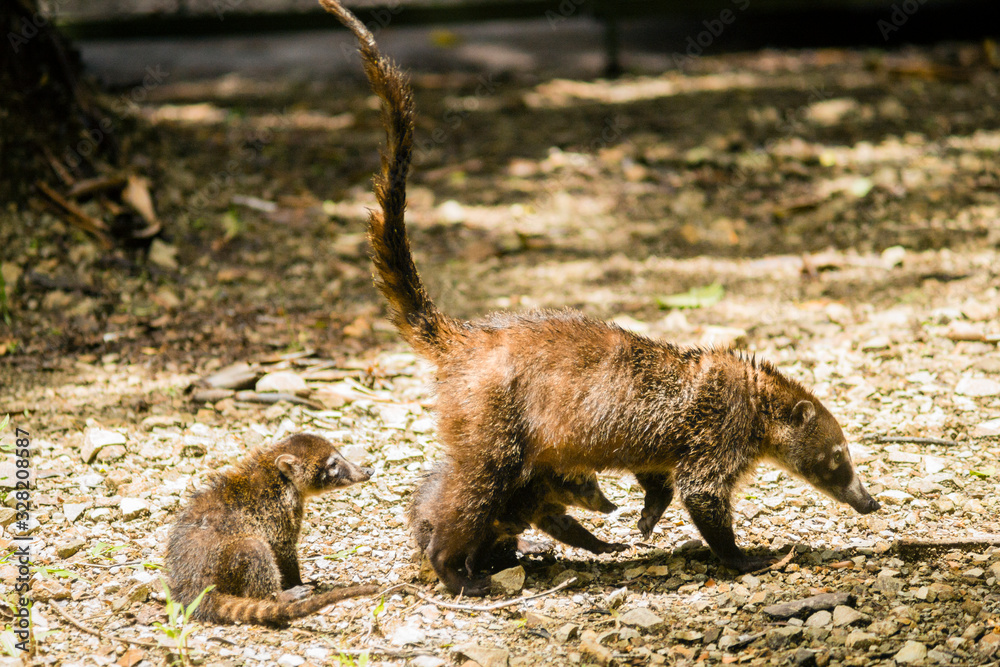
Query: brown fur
{"type": "Point", "coordinates": [559, 391]}
{"type": "Point", "coordinates": [541, 503]}
{"type": "Point", "coordinates": [240, 534]}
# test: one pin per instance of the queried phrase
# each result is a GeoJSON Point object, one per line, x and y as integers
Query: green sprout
{"type": "Point", "coordinates": [177, 628]}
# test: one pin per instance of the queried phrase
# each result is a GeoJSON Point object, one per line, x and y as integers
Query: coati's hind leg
{"type": "Point", "coordinates": [659, 490]}
{"type": "Point", "coordinates": [247, 568]}
{"type": "Point", "coordinates": [568, 530]}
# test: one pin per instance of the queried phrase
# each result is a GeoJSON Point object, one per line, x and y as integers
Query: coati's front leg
{"type": "Point", "coordinates": [566, 529]}
{"type": "Point", "coordinates": [659, 488]}
{"type": "Point", "coordinates": [712, 514]}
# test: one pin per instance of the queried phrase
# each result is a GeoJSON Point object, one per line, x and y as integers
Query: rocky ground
{"type": "Point", "coordinates": [847, 205]}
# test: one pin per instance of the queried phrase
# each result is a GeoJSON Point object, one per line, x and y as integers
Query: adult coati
{"type": "Point", "coordinates": [240, 534]}
{"type": "Point", "coordinates": [518, 393]}
{"type": "Point", "coordinates": [542, 503]}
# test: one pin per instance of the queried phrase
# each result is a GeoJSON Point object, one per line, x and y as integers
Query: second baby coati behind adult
{"type": "Point", "coordinates": [240, 534]}
{"type": "Point", "coordinates": [560, 391]}
{"type": "Point", "coordinates": [541, 503]}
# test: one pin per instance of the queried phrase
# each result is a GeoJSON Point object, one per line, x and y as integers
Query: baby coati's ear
{"type": "Point", "coordinates": [289, 466]}
{"type": "Point", "coordinates": [803, 413]}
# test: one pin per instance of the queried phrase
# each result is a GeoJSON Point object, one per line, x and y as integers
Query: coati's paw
{"type": "Point", "coordinates": [613, 547]}
{"type": "Point", "coordinates": [294, 594]}
{"type": "Point", "coordinates": [646, 525]}
{"type": "Point", "coordinates": [533, 547]}
{"type": "Point", "coordinates": [752, 563]}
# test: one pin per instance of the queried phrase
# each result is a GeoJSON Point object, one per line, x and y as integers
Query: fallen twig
{"type": "Point", "coordinates": [913, 547]}
{"type": "Point", "coordinates": [913, 440]}
{"type": "Point", "coordinates": [97, 633]}
{"type": "Point", "coordinates": [77, 216]}
{"type": "Point", "coordinates": [484, 607]}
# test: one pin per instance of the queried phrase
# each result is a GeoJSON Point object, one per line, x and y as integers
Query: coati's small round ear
{"type": "Point", "coordinates": [288, 465]}
{"type": "Point", "coordinates": [803, 413]}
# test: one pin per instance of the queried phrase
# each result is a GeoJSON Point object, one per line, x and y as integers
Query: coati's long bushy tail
{"type": "Point", "coordinates": [412, 312]}
{"type": "Point", "coordinates": [233, 609]}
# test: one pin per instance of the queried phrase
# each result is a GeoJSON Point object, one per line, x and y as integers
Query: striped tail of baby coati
{"type": "Point", "coordinates": [232, 609]}
{"type": "Point", "coordinates": [412, 312]}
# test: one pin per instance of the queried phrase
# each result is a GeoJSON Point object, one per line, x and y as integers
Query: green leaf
{"type": "Point", "coordinates": [696, 297]}
{"type": "Point", "coordinates": [341, 555]}
{"type": "Point", "coordinates": [4, 422]}
{"type": "Point", "coordinates": [982, 474]}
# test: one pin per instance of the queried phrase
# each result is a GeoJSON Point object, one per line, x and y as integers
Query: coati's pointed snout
{"type": "Point", "coordinates": [857, 496]}
{"type": "Point", "coordinates": [366, 474]}
{"type": "Point", "coordinates": [866, 506]}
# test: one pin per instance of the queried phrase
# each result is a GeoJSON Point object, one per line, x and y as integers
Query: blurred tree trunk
{"type": "Point", "coordinates": [48, 127]}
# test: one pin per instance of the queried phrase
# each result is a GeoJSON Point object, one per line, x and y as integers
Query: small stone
{"type": "Point", "coordinates": [843, 616]}
{"type": "Point", "coordinates": [803, 657]}
{"type": "Point", "coordinates": [904, 457]}
{"type": "Point", "coordinates": [860, 639]}
{"type": "Point", "coordinates": [641, 617]}
{"type": "Point", "coordinates": [133, 508]}
{"type": "Point", "coordinates": [779, 637]}
{"type": "Point", "coordinates": [111, 453]}
{"type": "Point", "coordinates": [807, 605]}
{"type": "Point", "coordinates": [987, 429]}
{"type": "Point", "coordinates": [885, 628]}
{"type": "Point", "coordinates": [566, 632]}
{"type": "Point", "coordinates": [282, 381]}
{"type": "Point", "coordinates": [974, 573]}
{"type": "Point", "coordinates": [894, 497]}
{"type": "Point", "coordinates": [977, 387]}
{"type": "Point", "coordinates": [509, 581]}
{"type": "Point", "coordinates": [69, 547]}
{"type": "Point", "coordinates": [964, 331]}
{"type": "Point", "coordinates": [290, 660]}
{"type": "Point", "coordinates": [486, 656]}
{"type": "Point", "coordinates": [163, 254]}
{"type": "Point", "coordinates": [44, 590]}
{"type": "Point", "coordinates": [819, 619]}
{"type": "Point", "coordinates": [935, 464]}
{"type": "Point", "coordinates": [7, 516]}
{"type": "Point", "coordinates": [532, 619]}
{"type": "Point", "coordinates": [876, 343]}
{"type": "Point", "coordinates": [95, 439]}
{"type": "Point", "coordinates": [911, 653]}
{"type": "Point", "coordinates": [427, 661]}
{"type": "Point", "coordinates": [689, 636]}
{"type": "Point", "coordinates": [407, 634]}
{"type": "Point", "coordinates": [990, 644]}
{"type": "Point", "coordinates": [590, 645]}
{"type": "Point", "coordinates": [888, 586]}
{"type": "Point", "coordinates": [616, 598]}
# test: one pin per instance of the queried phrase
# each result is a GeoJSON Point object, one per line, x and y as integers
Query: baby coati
{"type": "Point", "coordinates": [541, 503]}
{"type": "Point", "coordinates": [240, 535]}
{"type": "Point", "coordinates": [559, 391]}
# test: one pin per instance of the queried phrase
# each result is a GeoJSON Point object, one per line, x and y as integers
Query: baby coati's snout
{"type": "Point", "coordinates": [818, 453]}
